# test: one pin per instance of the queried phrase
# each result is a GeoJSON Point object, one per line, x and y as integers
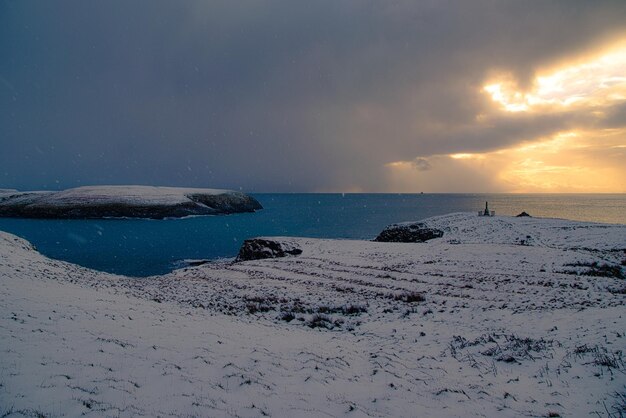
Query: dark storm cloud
{"type": "Point", "coordinates": [267, 95]}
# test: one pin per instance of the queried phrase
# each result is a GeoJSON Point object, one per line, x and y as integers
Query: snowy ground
{"type": "Point", "coordinates": [500, 317]}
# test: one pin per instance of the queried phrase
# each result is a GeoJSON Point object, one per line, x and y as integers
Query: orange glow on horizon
{"type": "Point", "coordinates": [570, 161]}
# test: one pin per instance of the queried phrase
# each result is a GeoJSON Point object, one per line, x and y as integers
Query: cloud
{"type": "Point", "coordinates": [421, 164]}
{"type": "Point", "coordinates": [574, 162]}
{"type": "Point", "coordinates": [279, 95]}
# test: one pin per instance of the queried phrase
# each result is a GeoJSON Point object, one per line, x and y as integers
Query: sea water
{"type": "Point", "coordinates": [149, 247]}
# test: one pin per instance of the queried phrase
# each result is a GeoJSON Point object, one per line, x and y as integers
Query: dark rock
{"type": "Point", "coordinates": [196, 263]}
{"type": "Point", "coordinates": [416, 232]}
{"type": "Point", "coordinates": [259, 248]}
{"type": "Point", "coordinates": [522, 215]}
{"type": "Point", "coordinates": [507, 358]}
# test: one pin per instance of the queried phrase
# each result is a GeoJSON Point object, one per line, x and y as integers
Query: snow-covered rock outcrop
{"type": "Point", "coordinates": [467, 228]}
{"type": "Point", "coordinates": [409, 232]}
{"type": "Point", "coordinates": [124, 202]}
{"type": "Point", "coordinates": [261, 248]}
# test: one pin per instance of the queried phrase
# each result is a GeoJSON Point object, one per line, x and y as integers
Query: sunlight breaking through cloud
{"type": "Point", "coordinates": [569, 161]}
{"type": "Point", "coordinates": [466, 156]}
{"type": "Point", "coordinates": [595, 82]}
{"type": "Point", "coordinates": [581, 148]}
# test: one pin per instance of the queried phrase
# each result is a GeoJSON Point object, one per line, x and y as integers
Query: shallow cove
{"type": "Point", "coordinates": [138, 247]}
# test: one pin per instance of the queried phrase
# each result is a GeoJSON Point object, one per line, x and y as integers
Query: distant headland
{"type": "Point", "coordinates": [151, 202]}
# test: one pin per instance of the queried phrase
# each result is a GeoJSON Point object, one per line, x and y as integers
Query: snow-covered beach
{"type": "Point", "coordinates": [501, 316]}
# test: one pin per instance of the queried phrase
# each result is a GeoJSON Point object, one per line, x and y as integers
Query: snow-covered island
{"type": "Point", "coordinates": [499, 316]}
{"type": "Point", "coordinates": [124, 202]}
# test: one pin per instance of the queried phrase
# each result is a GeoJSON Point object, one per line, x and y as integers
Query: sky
{"type": "Point", "coordinates": [315, 96]}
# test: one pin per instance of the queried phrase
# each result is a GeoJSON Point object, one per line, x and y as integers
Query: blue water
{"type": "Point", "coordinates": [147, 247]}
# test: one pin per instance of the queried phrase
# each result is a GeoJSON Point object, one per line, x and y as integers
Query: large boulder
{"type": "Point", "coordinates": [409, 232]}
{"type": "Point", "coordinates": [124, 202]}
{"type": "Point", "coordinates": [260, 248]}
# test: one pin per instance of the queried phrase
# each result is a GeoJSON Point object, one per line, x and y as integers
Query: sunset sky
{"type": "Point", "coordinates": [315, 96]}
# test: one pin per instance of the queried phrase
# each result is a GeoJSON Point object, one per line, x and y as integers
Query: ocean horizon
{"type": "Point", "coordinates": [141, 247]}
